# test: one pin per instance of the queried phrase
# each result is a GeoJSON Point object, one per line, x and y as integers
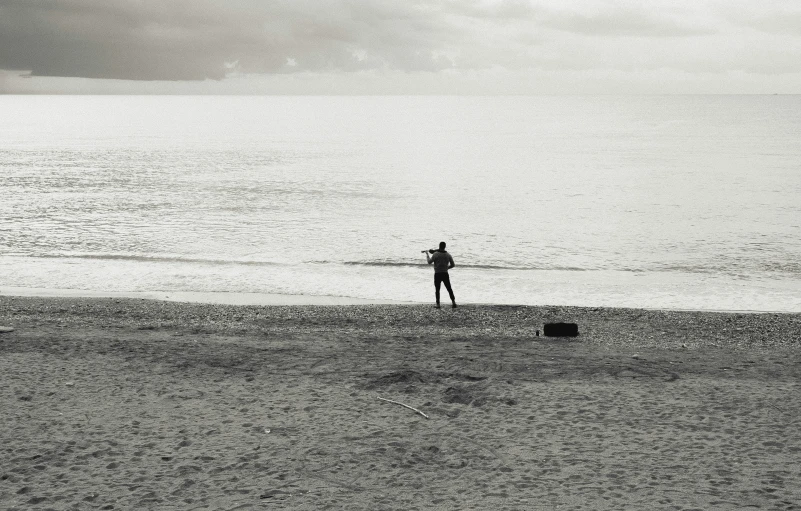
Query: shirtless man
{"type": "Point", "coordinates": [442, 262]}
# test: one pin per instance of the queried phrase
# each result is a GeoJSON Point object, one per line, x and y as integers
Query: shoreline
{"type": "Point", "coordinates": [275, 299]}
{"type": "Point", "coordinates": [208, 297]}
{"type": "Point", "coordinates": [611, 327]}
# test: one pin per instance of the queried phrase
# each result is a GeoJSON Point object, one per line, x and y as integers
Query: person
{"type": "Point", "coordinates": [442, 262]}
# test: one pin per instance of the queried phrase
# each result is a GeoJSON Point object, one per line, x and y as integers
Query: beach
{"type": "Point", "coordinates": [123, 403]}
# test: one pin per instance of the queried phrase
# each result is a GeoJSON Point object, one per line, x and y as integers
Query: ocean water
{"type": "Point", "coordinates": [686, 202]}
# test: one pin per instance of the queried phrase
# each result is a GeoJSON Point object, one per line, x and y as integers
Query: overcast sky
{"type": "Point", "coordinates": [400, 46]}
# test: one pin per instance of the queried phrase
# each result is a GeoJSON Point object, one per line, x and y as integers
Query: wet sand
{"type": "Point", "coordinates": [112, 403]}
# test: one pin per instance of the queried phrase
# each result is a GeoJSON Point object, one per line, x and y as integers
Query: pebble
{"type": "Point", "coordinates": [608, 327]}
{"type": "Point", "coordinates": [6, 329]}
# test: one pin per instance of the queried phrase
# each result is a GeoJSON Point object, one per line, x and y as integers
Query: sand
{"type": "Point", "coordinates": [111, 403]}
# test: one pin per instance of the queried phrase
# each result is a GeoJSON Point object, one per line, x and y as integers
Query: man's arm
{"type": "Point", "coordinates": [451, 264]}
{"type": "Point", "coordinates": [428, 258]}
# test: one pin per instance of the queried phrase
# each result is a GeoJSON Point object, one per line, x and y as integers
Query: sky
{"type": "Point", "coordinates": [400, 46]}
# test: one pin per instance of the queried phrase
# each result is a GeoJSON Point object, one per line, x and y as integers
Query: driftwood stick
{"type": "Point", "coordinates": [405, 406]}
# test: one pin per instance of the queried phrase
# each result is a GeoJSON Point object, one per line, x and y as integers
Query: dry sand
{"type": "Point", "coordinates": [139, 404]}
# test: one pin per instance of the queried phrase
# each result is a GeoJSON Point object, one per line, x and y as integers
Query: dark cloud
{"type": "Point", "coordinates": [108, 40]}
{"type": "Point", "coordinates": [193, 40]}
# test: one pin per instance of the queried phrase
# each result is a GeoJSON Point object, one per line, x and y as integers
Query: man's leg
{"type": "Point", "coordinates": [437, 282]}
{"type": "Point", "coordinates": [446, 279]}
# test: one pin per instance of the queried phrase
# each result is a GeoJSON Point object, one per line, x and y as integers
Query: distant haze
{"type": "Point", "coordinates": [400, 47]}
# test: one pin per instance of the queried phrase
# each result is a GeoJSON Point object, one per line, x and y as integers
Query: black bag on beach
{"type": "Point", "coordinates": [560, 330]}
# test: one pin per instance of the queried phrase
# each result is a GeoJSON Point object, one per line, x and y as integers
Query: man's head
{"type": "Point", "coordinates": [442, 246]}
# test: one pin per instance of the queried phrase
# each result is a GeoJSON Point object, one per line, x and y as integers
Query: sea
{"type": "Point", "coordinates": [667, 202]}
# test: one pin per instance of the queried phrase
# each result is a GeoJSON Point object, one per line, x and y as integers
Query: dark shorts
{"type": "Point", "coordinates": [442, 278]}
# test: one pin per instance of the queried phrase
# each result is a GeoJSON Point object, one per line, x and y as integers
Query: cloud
{"type": "Point", "coordinates": [196, 40]}
{"type": "Point", "coordinates": [107, 40]}
{"type": "Point", "coordinates": [193, 40]}
{"type": "Point", "coordinates": [384, 42]}
{"type": "Point", "coordinates": [625, 22]}
{"type": "Point", "coordinates": [777, 17]}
